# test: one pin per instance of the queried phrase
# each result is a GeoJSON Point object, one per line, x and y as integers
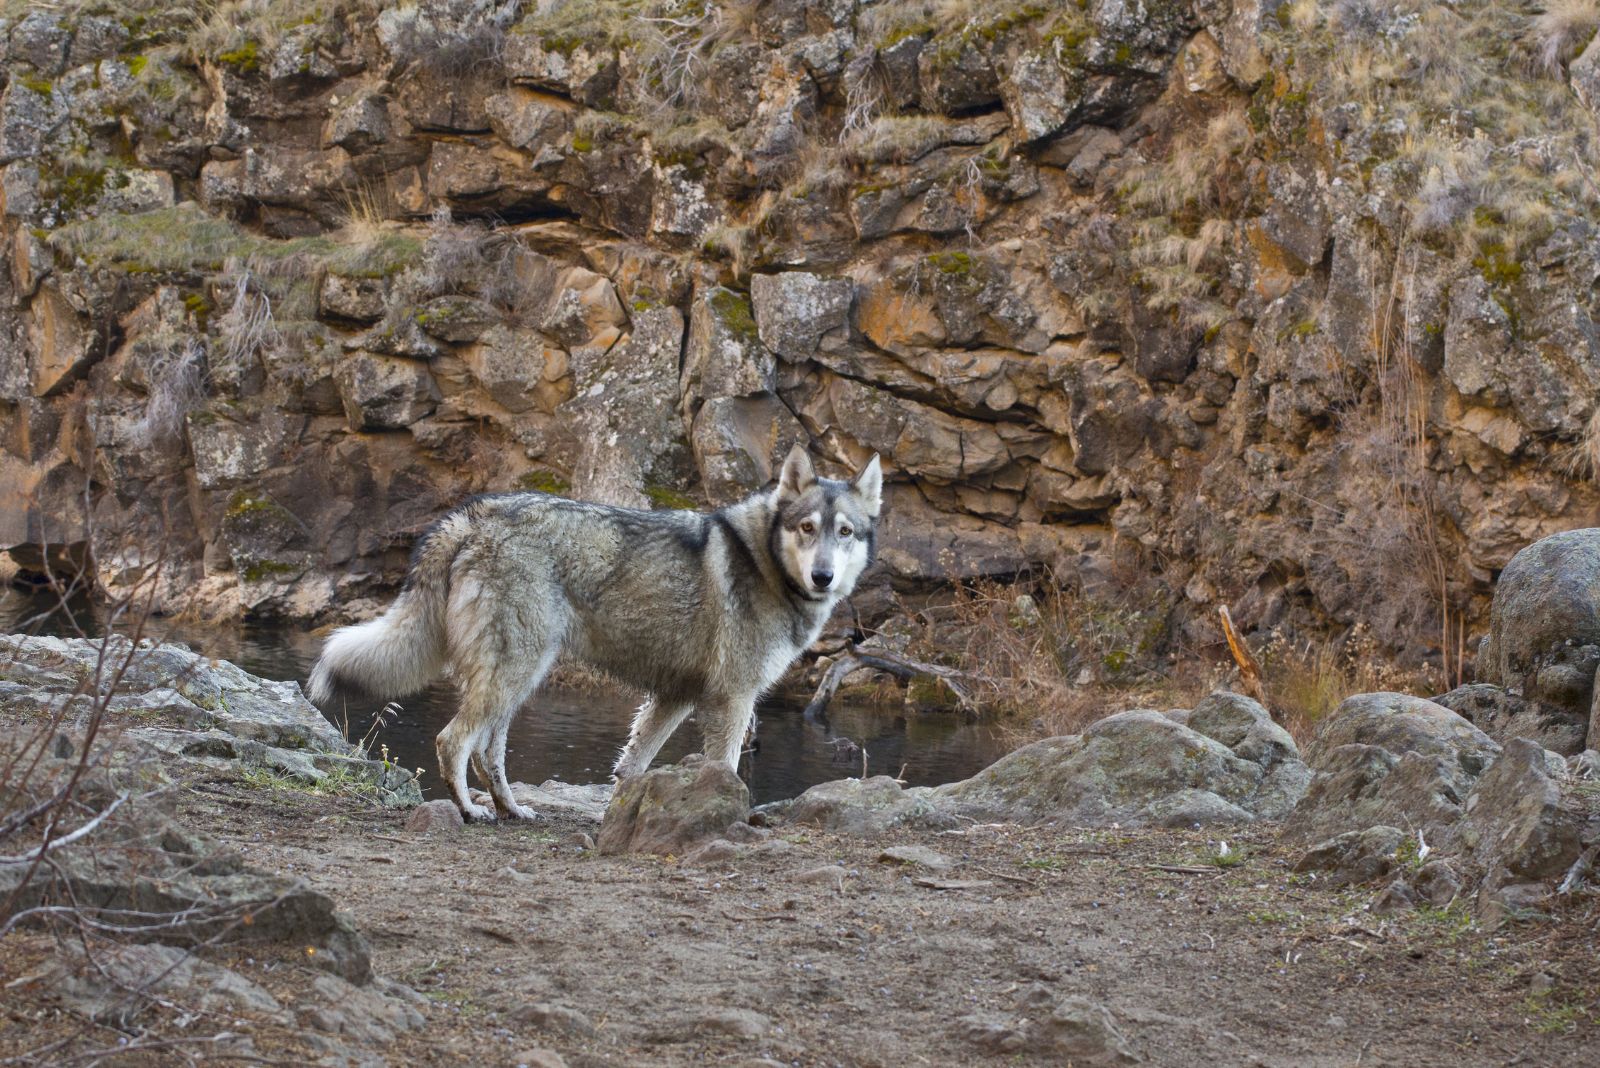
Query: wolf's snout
{"type": "Point", "coordinates": [822, 579]}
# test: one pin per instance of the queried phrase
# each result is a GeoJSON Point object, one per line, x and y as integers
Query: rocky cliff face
{"type": "Point", "coordinates": [1294, 300]}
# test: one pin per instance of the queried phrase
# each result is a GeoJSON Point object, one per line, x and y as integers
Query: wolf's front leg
{"type": "Point", "coordinates": [653, 724]}
{"type": "Point", "coordinates": [725, 729]}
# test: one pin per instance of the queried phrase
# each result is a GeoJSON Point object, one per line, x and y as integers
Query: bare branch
{"type": "Point", "coordinates": [903, 667]}
{"type": "Point", "coordinates": [66, 840]}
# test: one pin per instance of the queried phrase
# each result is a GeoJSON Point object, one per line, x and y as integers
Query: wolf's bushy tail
{"type": "Point", "coordinates": [402, 650]}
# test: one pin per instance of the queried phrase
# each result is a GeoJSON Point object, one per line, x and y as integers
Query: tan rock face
{"type": "Point", "coordinates": [62, 347]}
{"type": "Point", "coordinates": [1082, 275]}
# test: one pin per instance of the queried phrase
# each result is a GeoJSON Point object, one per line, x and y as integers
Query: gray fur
{"type": "Point", "coordinates": [702, 611]}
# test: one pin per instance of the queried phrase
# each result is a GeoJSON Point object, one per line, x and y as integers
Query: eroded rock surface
{"type": "Point", "coordinates": [1230, 763]}
{"type": "Point", "coordinates": [1388, 759]}
{"type": "Point", "coordinates": [951, 242]}
{"type": "Point", "coordinates": [173, 701]}
{"type": "Point", "coordinates": [673, 808]}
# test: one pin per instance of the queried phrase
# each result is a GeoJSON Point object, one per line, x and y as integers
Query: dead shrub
{"type": "Point", "coordinates": [1045, 658]}
{"type": "Point", "coordinates": [1306, 680]}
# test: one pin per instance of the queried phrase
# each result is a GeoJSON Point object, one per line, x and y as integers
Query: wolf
{"type": "Point", "coordinates": [699, 610]}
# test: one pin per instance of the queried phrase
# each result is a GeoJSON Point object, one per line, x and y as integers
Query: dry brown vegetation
{"type": "Point", "coordinates": [1497, 140]}
{"type": "Point", "coordinates": [1044, 660]}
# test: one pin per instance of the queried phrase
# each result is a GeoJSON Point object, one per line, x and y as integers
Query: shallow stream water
{"type": "Point", "coordinates": [574, 735]}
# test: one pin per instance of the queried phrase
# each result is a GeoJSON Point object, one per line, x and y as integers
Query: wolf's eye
{"type": "Point", "coordinates": [845, 531]}
{"type": "Point", "coordinates": [808, 527]}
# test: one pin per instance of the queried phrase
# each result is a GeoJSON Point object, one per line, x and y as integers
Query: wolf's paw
{"type": "Point", "coordinates": [515, 811]}
{"type": "Point", "coordinates": [477, 813]}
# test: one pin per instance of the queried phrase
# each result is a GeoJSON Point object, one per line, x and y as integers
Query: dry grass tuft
{"type": "Point", "coordinates": [1046, 660]}
{"type": "Point", "coordinates": [1562, 30]}
{"type": "Point", "coordinates": [1492, 125]}
{"type": "Point", "coordinates": [1305, 681]}
{"type": "Point", "coordinates": [1043, 660]}
{"type": "Point", "coordinates": [177, 378]}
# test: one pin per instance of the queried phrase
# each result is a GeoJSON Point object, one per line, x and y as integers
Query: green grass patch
{"type": "Point", "coordinates": [184, 239]}
{"type": "Point", "coordinates": [543, 482]}
{"type": "Point", "coordinates": [667, 497]}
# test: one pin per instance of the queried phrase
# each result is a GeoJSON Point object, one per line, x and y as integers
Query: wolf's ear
{"type": "Point", "coordinates": [797, 475]}
{"type": "Point", "coordinates": [868, 485]}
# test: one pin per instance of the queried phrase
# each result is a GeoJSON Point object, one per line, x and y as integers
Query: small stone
{"type": "Point", "coordinates": [431, 816]}
{"type": "Point", "coordinates": [772, 845]}
{"type": "Point", "coordinates": [738, 1023]}
{"type": "Point", "coordinates": [1437, 883]}
{"type": "Point", "coordinates": [742, 833]}
{"type": "Point", "coordinates": [1396, 897]}
{"type": "Point", "coordinates": [539, 1058]}
{"type": "Point", "coordinates": [828, 874]}
{"type": "Point", "coordinates": [993, 1033]}
{"type": "Point", "coordinates": [916, 856]}
{"type": "Point", "coordinates": [1355, 856]}
{"type": "Point", "coordinates": [374, 1013]}
{"type": "Point", "coordinates": [716, 851]}
{"type": "Point", "coordinates": [550, 1016]}
{"type": "Point", "coordinates": [952, 884]}
{"type": "Point", "coordinates": [1082, 1031]}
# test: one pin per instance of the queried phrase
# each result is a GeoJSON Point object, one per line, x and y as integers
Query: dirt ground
{"type": "Point", "coordinates": [521, 940]}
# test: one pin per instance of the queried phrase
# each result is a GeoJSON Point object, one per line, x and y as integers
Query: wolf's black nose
{"type": "Point", "coordinates": [821, 579]}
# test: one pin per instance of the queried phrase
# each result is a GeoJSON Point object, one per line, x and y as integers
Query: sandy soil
{"type": "Point", "coordinates": [521, 940]}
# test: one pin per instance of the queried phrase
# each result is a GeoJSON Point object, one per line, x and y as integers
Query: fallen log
{"type": "Point", "coordinates": [902, 667]}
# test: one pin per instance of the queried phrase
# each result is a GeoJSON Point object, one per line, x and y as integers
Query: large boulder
{"type": "Point", "coordinates": [1145, 768]}
{"type": "Point", "coordinates": [1502, 715]}
{"type": "Point", "coordinates": [671, 809]}
{"type": "Point", "coordinates": [1544, 633]}
{"type": "Point", "coordinates": [1223, 762]}
{"type": "Point", "coordinates": [864, 806]}
{"type": "Point", "coordinates": [1524, 823]}
{"type": "Point", "coordinates": [1389, 759]}
{"type": "Point", "coordinates": [177, 704]}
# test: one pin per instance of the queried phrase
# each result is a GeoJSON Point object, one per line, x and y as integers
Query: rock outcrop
{"type": "Point", "coordinates": [1399, 779]}
{"type": "Point", "coordinates": [169, 700]}
{"type": "Point", "coordinates": [1388, 759]}
{"type": "Point", "coordinates": [1223, 762]}
{"type": "Point", "coordinates": [1536, 670]}
{"type": "Point", "coordinates": [283, 288]}
{"type": "Point", "coordinates": [104, 738]}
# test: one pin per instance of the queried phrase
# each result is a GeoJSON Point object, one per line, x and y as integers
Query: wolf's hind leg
{"type": "Point", "coordinates": [653, 724]}
{"type": "Point", "coordinates": [454, 745]}
{"type": "Point", "coordinates": [491, 754]}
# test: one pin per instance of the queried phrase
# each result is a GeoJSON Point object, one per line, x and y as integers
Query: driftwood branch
{"type": "Point", "coordinates": [1249, 667]}
{"type": "Point", "coordinates": [902, 667]}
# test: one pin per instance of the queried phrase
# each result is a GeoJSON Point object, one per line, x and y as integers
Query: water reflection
{"type": "Point", "coordinates": [574, 735]}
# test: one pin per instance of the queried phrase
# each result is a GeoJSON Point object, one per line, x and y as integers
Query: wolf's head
{"type": "Point", "coordinates": [824, 532]}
